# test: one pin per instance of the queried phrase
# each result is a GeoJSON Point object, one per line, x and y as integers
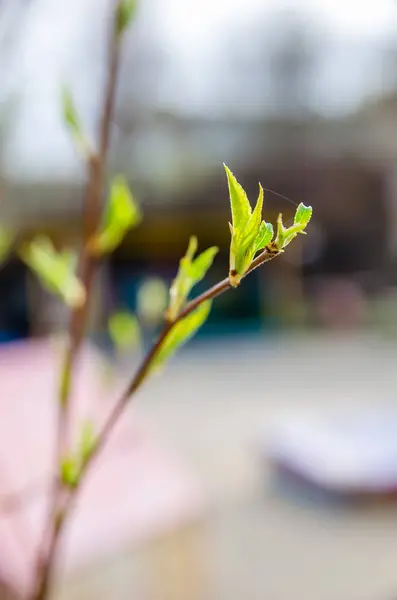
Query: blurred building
{"type": "Point", "coordinates": [253, 106]}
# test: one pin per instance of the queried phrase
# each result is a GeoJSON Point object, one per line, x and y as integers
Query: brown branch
{"type": "Point", "coordinates": [63, 497]}
{"type": "Point", "coordinates": [146, 364]}
{"type": "Point", "coordinates": [97, 167]}
{"type": "Point", "coordinates": [64, 509]}
{"type": "Point", "coordinates": [138, 379]}
{"type": "Point", "coordinates": [68, 499]}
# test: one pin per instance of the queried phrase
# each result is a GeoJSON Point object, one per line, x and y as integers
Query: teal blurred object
{"type": "Point", "coordinates": [236, 328]}
{"type": "Point", "coordinates": [241, 311]}
{"type": "Point", "coordinates": [7, 337]}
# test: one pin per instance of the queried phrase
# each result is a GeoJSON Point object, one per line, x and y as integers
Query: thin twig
{"type": "Point", "coordinates": [97, 166]}
{"type": "Point", "coordinates": [133, 387]}
{"type": "Point", "coordinates": [147, 362]}
{"type": "Point", "coordinates": [63, 498]}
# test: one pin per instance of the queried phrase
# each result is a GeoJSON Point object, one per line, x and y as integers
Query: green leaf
{"type": "Point", "coordinates": [303, 215]}
{"type": "Point", "coordinates": [254, 223]}
{"type": "Point", "coordinates": [152, 299]}
{"type": "Point", "coordinates": [121, 215]}
{"type": "Point", "coordinates": [124, 330]}
{"type": "Point", "coordinates": [70, 470]}
{"type": "Point", "coordinates": [264, 236]}
{"type": "Point", "coordinates": [191, 249]}
{"type": "Point", "coordinates": [54, 270]}
{"type": "Point", "coordinates": [7, 238]}
{"type": "Point", "coordinates": [191, 271]}
{"type": "Point", "coordinates": [202, 263]}
{"type": "Point", "coordinates": [70, 113]}
{"type": "Point", "coordinates": [247, 230]}
{"type": "Point", "coordinates": [241, 208]}
{"type": "Point", "coordinates": [182, 332]}
{"type": "Point", "coordinates": [125, 11]}
{"type": "Point", "coordinates": [73, 123]}
{"type": "Point", "coordinates": [72, 464]}
{"type": "Point", "coordinates": [285, 235]}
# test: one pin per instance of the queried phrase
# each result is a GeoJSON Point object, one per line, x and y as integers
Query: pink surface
{"type": "Point", "coordinates": [137, 489]}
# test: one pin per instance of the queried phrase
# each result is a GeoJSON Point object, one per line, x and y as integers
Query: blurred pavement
{"type": "Point", "coordinates": [212, 403]}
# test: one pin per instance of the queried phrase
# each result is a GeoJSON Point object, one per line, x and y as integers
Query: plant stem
{"type": "Point", "coordinates": [70, 496]}
{"type": "Point", "coordinates": [63, 498]}
{"type": "Point", "coordinates": [97, 166]}
{"type": "Point", "coordinates": [17, 500]}
{"type": "Point", "coordinates": [143, 370]}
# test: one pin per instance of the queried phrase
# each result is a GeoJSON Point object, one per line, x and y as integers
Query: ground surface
{"type": "Point", "coordinates": [211, 404]}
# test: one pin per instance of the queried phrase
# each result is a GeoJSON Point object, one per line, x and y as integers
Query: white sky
{"type": "Point", "coordinates": [346, 16]}
{"type": "Point", "coordinates": [55, 45]}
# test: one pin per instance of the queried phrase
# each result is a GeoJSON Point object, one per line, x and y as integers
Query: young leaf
{"type": "Point", "coordinates": [191, 271]}
{"type": "Point", "coordinates": [72, 464]}
{"type": "Point", "coordinates": [6, 240]}
{"type": "Point", "coordinates": [124, 330]}
{"type": "Point", "coordinates": [248, 230]}
{"type": "Point", "coordinates": [121, 215]}
{"type": "Point", "coordinates": [54, 270]}
{"type": "Point", "coordinates": [264, 236]}
{"type": "Point", "coordinates": [182, 332]}
{"type": "Point", "coordinates": [286, 235]}
{"type": "Point", "coordinates": [191, 249]}
{"type": "Point", "coordinates": [70, 113]}
{"type": "Point", "coordinates": [241, 208]}
{"type": "Point", "coordinates": [254, 223]}
{"type": "Point", "coordinates": [70, 469]}
{"type": "Point", "coordinates": [202, 263]}
{"type": "Point", "coordinates": [125, 12]}
{"type": "Point", "coordinates": [73, 123]}
{"type": "Point", "coordinates": [303, 215]}
{"type": "Point", "coordinates": [152, 299]}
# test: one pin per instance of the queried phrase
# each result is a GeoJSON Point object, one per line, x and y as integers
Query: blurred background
{"type": "Point", "coordinates": [301, 96]}
{"type": "Point", "coordinates": [297, 95]}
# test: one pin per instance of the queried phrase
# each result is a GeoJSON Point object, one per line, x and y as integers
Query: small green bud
{"type": "Point", "coordinates": [125, 12]}
{"type": "Point", "coordinates": [73, 123]}
{"type": "Point", "coordinates": [124, 330]}
{"type": "Point", "coordinates": [56, 270]}
{"type": "Point", "coordinates": [191, 272]}
{"type": "Point", "coordinates": [70, 470]}
{"type": "Point", "coordinates": [152, 299]}
{"type": "Point", "coordinates": [303, 215]}
{"type": "Point", "coordinates": [249, 233]}
{"type": "Point", "coordinates": [121, 215]}
{"type": "Point", "coordinates": [286, 235]}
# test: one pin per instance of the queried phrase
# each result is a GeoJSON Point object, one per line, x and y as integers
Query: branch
{"type": "Point", "coordinates": [148, 360]}
{"type": "Point", "coordinates": [97, 166]}
{"type": "Point", "coordinates": [64, 509]}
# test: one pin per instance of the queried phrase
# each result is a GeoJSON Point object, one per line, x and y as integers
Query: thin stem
{"type": "Point", "coordinates": [210, 294]}
{"type": "Point", "coordinates": [63, 511]}
{"type": "Point", "coordinates": [224, 285]}
{"type": "Point", "coordinates": [97, 166]}
{"type": "Point", "coordinates": [132, 388]}
{"type": "Point", "coordinates": [17, 500]}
